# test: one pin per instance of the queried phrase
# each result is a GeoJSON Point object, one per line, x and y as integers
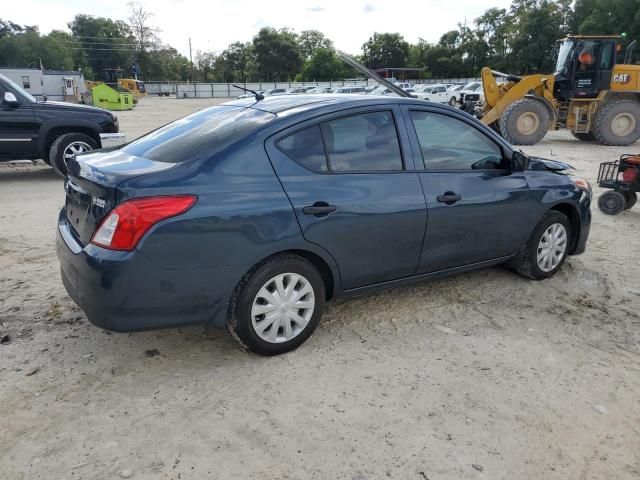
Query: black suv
{"type": "Point", "coordinates": [53, 131]}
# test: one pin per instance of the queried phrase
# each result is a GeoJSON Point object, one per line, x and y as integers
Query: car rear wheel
{"type": "Point", "coordinates": [277, 305]}
{"type": "Point", "coordinates": [547, 247]}
{"type": "Point", "coordinates": [453, 101]}
{"type": "Point", "coordinates": [66, 146]}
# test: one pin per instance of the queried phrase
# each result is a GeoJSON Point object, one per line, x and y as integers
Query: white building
{"type": "Point", "coordinates": [53, 84]}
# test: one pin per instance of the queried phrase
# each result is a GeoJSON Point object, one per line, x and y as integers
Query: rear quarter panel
{"type": "Point", "coordinates": [242, 216]}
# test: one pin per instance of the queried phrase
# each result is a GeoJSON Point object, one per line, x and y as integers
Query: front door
{"type": "Point", "coordinates": [17, 129]}
{"type": "Point", "coordinates": [478, 208]}
{"type": "Point", "coordinates": [353, 193]}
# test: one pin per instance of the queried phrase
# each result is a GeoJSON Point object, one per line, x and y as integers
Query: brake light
{"type": "Point", "coordinates": [629, 175]}
{"type": "Point", "coordinates": [126, 224]}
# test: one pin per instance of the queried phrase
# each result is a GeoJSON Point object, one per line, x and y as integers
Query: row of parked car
{"type": "Point", "coordinates": [451, 93]}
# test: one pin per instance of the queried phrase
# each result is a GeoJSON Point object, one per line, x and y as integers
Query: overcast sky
{"type": "Point", "coordinates": [214, 24]}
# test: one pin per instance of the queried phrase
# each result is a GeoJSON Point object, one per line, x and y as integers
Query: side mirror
{"type": "Point", "coordinates": [519, 161]}
{"type": "Point", "coordinates": [10, 99]}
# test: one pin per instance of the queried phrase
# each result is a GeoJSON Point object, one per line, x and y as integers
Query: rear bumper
{"type": "Point", "coordinates": [125, 291]}
{"type": "Point", "coordinates": [108, 140]}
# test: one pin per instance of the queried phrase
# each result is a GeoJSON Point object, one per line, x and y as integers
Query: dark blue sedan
{"type": "Point", "coordinates": [252, 214]}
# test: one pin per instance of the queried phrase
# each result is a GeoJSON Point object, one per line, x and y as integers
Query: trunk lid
{"type": "Point", "coordinates": [92, 183]}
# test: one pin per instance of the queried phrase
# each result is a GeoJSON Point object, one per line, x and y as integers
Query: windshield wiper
{"type": "Point", "coordinates": [257, 95]}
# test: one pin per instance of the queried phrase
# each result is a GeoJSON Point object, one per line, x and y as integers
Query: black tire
{"type": "Point", "coordinates": [612, 203]}
{"type": "Point", "coordinates": [239, 322]}
{"type": "Point", "coordinates": [527, 262]}
{"type": "Point", "coordinates": [603, 129]}
{"type": "Point", "coordinates": [536, 111]}
{"type": "Point", "coordinates": [60, 145]}
{"type": "Point", "coordinates": [584, 137]}
{"type": "Point", "coordinates": [453, 101]}
{"type": "Point", "coordinates": [631, 199]}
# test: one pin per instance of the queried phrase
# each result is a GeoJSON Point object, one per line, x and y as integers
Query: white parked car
{"type": "Point", "coordinates": [471, 88]}
{"type": "Point", "coordinates": [349, 90]}
{"type": "Point", "coordinates": [403, 85]}
{"type": "Point", "coordinates": [320, 90]}
{"type": "Point", "coordinates": [435, 93]}
{"type": "Point", "coordinates": [274, 91]}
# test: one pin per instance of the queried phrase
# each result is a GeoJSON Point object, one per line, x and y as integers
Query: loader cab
{"type": "Point", "coordinates": [584, 66]}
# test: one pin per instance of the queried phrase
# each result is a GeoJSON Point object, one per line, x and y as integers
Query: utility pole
{"type": "Point", "coordinates": [190, 61]}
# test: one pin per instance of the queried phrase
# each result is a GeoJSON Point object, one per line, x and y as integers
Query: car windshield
{"type": "Point", "coordinates": [20, 90]}
{"type": "Point", "coordinates": [471, 86]}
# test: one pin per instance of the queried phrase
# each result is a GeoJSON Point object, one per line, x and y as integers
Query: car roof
{"type": "Point", "coordinates": [307, 102]}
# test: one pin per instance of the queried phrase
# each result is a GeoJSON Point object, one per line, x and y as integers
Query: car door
{"type": "Point", "coordinates": [17, 128]}
{"type": "Point", "coordinates": [351, 181]}
{"type": "Point", "coordinates": [478, 207]}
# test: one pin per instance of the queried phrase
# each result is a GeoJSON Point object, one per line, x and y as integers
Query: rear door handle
{"type": "Point", "coordinates": [319, 209]}
{"type": "Point", "coordinates": [449, 198]}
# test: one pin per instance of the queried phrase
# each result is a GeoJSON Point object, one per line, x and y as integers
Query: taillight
{"type": "Point", "coordinates": [125, 225]}
{"type": "Point", "coordinates": [629, 175]}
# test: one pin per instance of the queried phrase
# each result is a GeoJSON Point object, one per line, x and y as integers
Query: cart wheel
{"type": "Point", "coordinates": [631, 199]}
{"type": "Point", "coordinates": [612, 203]}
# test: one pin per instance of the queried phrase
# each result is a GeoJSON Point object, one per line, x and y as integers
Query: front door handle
{"type": "Point", "coordinates": [319, 209]}
{"type": "Point", "coordinates": [449, 198]}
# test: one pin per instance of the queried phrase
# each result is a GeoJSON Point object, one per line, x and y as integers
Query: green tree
{"type": "Point", "coordinates": [311, 40]}
{"type": "Point", "coordinates": [277, 54]}
{"type": "Point", "coordinates": [322, 66]}
{"type": "Point", "coordinates": [102, 43]}
{"type": "Point", "coordinates": [385, 50]}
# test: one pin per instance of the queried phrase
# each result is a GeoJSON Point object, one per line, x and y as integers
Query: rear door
{"type": "Point", "coordinates": [351, 181]}
{"type": "Point", "coordinates": [478, 208]}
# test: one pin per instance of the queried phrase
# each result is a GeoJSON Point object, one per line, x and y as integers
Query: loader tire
{"type": "Point", "coordinates": [584, 137]}
{"type": "Point", "coordinates": [618, 123]}
{"type": "Point", "coordinates": [524, 122]}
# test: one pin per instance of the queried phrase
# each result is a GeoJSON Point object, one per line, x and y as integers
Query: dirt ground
{"type": "Point", "coordinates": [481, 376]}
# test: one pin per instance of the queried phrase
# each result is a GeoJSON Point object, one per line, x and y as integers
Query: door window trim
{"type": "Point", "coordinates": [325, 118]}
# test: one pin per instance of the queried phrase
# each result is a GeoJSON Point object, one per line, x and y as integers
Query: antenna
{"type": "Point", "coordinates": [257, 95]}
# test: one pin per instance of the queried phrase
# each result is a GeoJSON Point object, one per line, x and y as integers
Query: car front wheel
{"type": "Point", "coordinates": [277, 305]}
{"type": "Point", "coordinates": [547, 247]}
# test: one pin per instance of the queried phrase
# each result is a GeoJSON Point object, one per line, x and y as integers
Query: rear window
{"type": "Point", "coordinates": [199, 135]}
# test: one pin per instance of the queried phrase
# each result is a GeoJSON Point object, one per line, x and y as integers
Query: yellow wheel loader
{"type": "Point", "coordinates": [590, 94]}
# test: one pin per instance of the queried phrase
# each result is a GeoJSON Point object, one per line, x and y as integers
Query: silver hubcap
{"type": "Point", "coordinates": [552, 247]}
{"type": "Point", "coordinates": [623, 124]}
{"type": "Point", "coordinates": [282, 308]}
{"type": "Point", "coordinates": [74, 148]}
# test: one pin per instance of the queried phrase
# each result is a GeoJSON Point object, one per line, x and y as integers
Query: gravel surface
{"type": "Point", "coordinates": [482, 375]}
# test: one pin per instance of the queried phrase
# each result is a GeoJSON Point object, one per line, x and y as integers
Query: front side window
{"type": "Point", "coordinates": [450, 144]}
{"type": "Point", "coordinates": [365, 142]}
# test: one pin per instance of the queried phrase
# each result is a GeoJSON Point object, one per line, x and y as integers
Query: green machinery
{"type": "Point", "coordinates": [109, 94]}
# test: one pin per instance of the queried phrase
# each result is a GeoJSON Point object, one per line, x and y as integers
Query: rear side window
{"type": "Point", "coordinates": [450, 144]}
{"type": "Point", "coordinates": [366, 142]}
{"type": "Point", "coordinates": [305, 147]}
